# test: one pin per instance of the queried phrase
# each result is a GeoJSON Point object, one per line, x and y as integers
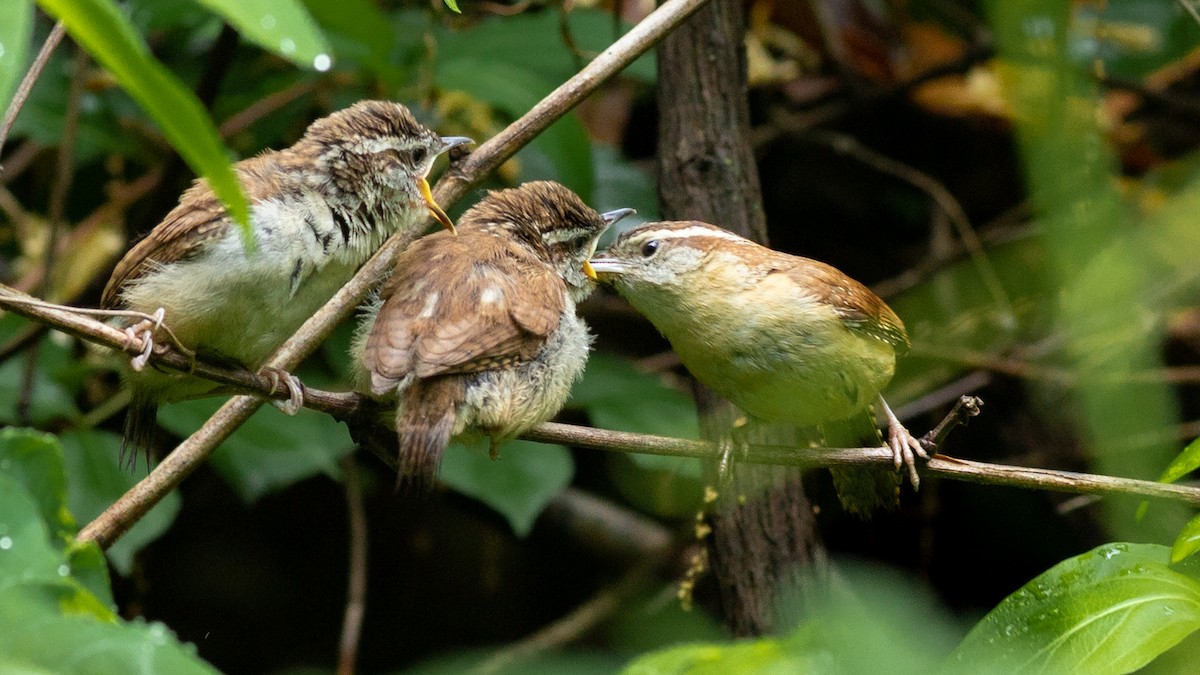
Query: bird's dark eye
{"type": "Point", "coordinates": [650, 248]}
{"type": "Point", "coordinates": [580, 242]}
{"type": "Point", "coordinates": [419, 155]}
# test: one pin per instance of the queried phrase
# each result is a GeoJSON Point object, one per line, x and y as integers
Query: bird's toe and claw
{"type": "Point", "coordinates": [291, 384]}
{"type": "Point", "coordinates": [906, 448]}
{"type": "Point", "coordinates": [144, 331]}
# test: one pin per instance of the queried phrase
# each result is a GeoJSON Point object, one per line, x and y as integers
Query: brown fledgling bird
{"type": "Point", "coordinates": [478, 332]}
{"type": "Point", "coordinates": [785, 338]}
{"type": "Point", "coordinates": [318, 210]}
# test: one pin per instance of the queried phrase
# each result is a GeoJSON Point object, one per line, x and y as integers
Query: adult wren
{"type": "Point", "coordinates": [785, 338]}
{"type": "Point", "coordinates": [318, 210]}
{"type": "Point", "coordinates": [478, 332]}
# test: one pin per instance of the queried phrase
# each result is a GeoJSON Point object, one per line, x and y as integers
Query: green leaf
{"type": "Point", "coordinates": [16, 22]}
{"type": "Point", "coordinates": [1188, 541]}
{"type": "Point", "coordinates": [34, 459]}
{"type": "Point", "coordinates": [619, 396]}
{"type": "Point", "coordinates": [55, 610]}
{"type": "Point", "coordinates": [96, 480]}
{"type": "Point", "coordinates": [106, 34]}
{"type": "Point", "coordinates": [768, 656]}
{"type": "Point", "coordinates": [281, 26]}
{"type": "Point", "coordinates": [622, 184]}
{"type": "Point", "coordinates": [26, 552]}
{"type": "Point", "coordinates": [359, 30]}
{"type": "Point", "coordinates": [564, 145]}
{"type": "Point", "coordinates": [270, 451]}
{"type": "Point", "coordinates": [1111, 610]}
{"type": "Point", "coordinates": [518, 485]}
{"type": "Point", "coordinates": [533, 42]}
{"type": "Point", "coordinates": [50, 400]}
{"type": "Point", "coordinates": [38, 634]}
{"type": "Point", "coordinates": [453, 5]}
{"type": "Point", "coordinates": [1186, 462]}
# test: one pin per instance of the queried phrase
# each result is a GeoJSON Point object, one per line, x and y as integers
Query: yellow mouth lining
{"type": "Point", "coordinates": [589, 270]}
{"type": "Point", "coordinates": [436, 210]}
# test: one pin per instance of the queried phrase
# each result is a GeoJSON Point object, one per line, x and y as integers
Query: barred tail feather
{"type": "Point", "coordinates": [141, 421]}
{"type": "Point", "coordinates": [424, 424]}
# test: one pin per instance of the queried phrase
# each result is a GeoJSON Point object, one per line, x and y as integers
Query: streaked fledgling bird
{"type": "Point", "coordinates": [478, 333]}
{"type": "Point", "coordinates": [318, 210]}
{"type": "Point", "coordinates": [785, 338]}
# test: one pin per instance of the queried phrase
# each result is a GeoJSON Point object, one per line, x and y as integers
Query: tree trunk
{"type": "Point", "coordinates": [763, 541]}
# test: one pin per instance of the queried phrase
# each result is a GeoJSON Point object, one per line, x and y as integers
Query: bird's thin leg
{"type": "Point", "coordinates": [905, 447]}
{"type": "Point", "coordinates": [291, 384]}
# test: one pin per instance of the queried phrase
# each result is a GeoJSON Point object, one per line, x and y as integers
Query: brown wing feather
{"type": "Point", "coordinates": [461, 332]}
{"type": "Point", "coordinates": [197, 220]}
{"type": "Point", "coordinates": [862, 310]}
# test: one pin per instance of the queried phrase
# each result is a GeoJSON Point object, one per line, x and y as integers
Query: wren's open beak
{"type": "Point", "coordinates": [613, 216]}
{"type": "Point", "coordinates": [427, 194]}
{"type": "Point", "coordinates": [434, 208]}
{"type": "Point", "coordinates": [609, 218]}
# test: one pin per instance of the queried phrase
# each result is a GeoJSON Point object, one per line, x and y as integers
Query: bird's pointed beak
{"type": "Point", "coordinates": [434, 208]}
{"type": "Point", "coordinates": [613, 216]}
{"type": "Point", "coordinates": [427, 194]}
{"type": "Point", "coordinates": [454, 141]}
{"type": "Point", "coordinates": [603, 267]}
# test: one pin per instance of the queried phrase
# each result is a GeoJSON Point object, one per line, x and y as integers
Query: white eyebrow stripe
{"type": "Point", "coordinates": [690, 231]}
{"type": "Point", "coordinates": [373, 145]}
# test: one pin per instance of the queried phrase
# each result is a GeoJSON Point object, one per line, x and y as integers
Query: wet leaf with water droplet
{"type": "Point", "coordinates": [281, 26]}
{"type": "Point", "coordinates": [1111, 610]}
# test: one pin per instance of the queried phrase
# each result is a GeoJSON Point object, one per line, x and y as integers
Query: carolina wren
{"type": "Point", "coordinates": [478, 332]}
{"type": "Point", "coordinates": [319, 209]}
{"type": "Point", "coordinates": [785, 338]}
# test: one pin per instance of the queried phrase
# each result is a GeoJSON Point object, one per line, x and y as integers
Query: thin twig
{"type": "Point", "coordinates": [966, 408]}
{"type": "Point", "coordinates": [19, 160]}
{"type": "Point", "coordinates": [64, 172]}
{"type": "Point", "coordinates": [26, 86]}
{"type": "Point", "coordinates": [356, 582]}
{"type": "Point", "coordinates": [195, 449]}
{"type": "Point", "coordinates": [945, 201]}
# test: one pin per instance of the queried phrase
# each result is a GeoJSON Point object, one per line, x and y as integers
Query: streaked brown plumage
{"type": "Point", "coordinates": [478, 332]}
{"type": "Point", "coordinates": [318, 210]}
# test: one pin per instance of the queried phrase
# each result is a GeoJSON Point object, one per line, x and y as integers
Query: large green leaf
{"type": "Point", "coordinates": [97, 479]}
{"type": "Point", "coordinates": [1111, 610]}
{"type": "Point", "coordinates": [106, 34]}
{"type": "Point", "coordinates": [35, 460]}
{"type": "Point", "coordinates": [518, 485]}
{"type": "Point", "coordinates": [270, 451]}
{"type": "Point", "coordinates": [359, 30]}
{"type": "Point", "coordinates": [617, 396]}
{"type": "Point", "coordinates": [26, 552]}
{"type": "Point", "coordinates": [38, 636]}
{"type": "Point", "coordinates": [16, 20]}
{"type": "Point", "coordinates": [564, 145]}
{"type": "Point", "coordinates": [281, 26]}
